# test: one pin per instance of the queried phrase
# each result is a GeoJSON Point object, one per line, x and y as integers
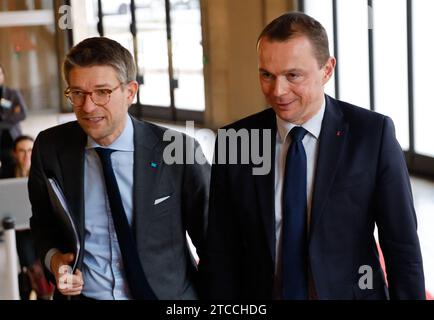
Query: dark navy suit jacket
{"type": "Point", "coordinates": [361, 179]}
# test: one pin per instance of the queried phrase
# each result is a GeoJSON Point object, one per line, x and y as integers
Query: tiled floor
{"type": "Point", "coordinates": [423, 191]}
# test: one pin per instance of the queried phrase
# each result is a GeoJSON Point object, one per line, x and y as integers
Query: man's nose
{"type": "Point", "coordinates": [281, 87]}
{"type": "Point", "coordinates": [88, 105]}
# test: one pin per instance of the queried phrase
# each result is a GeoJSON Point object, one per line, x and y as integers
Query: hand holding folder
{"type": "Point", "coordinates": [61, 210]}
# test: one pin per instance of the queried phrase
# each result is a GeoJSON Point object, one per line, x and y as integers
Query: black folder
{"type": "Point", "coordinates": [61, 209]}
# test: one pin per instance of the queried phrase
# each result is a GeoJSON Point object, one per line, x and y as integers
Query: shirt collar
{"type": "Point", "coordinates": [313, 125]}
{"type": "Point", "coordinates": [125, 142]}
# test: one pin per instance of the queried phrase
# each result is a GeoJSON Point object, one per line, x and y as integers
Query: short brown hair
{"type": "Point", "coordinates": [22, 138]}
{"type": "Point", "coordinates": [101, 51]}
{"type": "Point", "coordinates": [292, 24]}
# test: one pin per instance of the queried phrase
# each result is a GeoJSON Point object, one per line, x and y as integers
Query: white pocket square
{"type": "Point", "coordinates": [157, 201]}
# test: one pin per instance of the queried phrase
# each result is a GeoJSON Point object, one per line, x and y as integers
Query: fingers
{"type": "Point", "coordinates": [67, 283]}
{"type": "Point", "coordinates": [70, 284]}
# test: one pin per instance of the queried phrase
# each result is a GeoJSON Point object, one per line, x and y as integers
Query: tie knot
{"type": "Point", "coordinates": [104, 153]}
{"type": "Point", "coordinates": [297, 133]}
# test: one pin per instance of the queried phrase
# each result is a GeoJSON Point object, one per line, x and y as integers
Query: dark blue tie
{"type": "Point", "coordinates": [294, 204]}
{"type": "Point", "coordinates": [137, 282]}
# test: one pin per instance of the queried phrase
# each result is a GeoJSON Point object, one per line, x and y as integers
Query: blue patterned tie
{"type": "Point", "coordinates": [294, 204]}
{"type": "Point", "coordinates": [137, 282]}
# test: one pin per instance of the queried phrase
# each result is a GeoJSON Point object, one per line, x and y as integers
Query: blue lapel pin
{"type": "Point", "coordinates": [153, 165]}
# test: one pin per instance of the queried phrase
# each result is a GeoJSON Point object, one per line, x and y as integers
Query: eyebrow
{"type": "Point", "coordinates": [98, 86]}
{"type": "Point", "coordinates": [283, 72]}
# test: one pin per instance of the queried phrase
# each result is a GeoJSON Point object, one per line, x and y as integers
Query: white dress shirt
{"type": "Point", "coordinates": [283, 141]}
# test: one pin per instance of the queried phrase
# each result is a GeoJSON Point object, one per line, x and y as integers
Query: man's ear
{"type": "Point", "coordinates": [132, 88]}
{"type": "Point", "coordinates": [329, 68]}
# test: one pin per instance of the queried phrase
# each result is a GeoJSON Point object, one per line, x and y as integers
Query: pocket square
{"type": "Point", "coordinates": [159, 200]}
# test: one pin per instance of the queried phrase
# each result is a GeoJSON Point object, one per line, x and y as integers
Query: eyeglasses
{"type": "Point", "coordinates": [100, 97]}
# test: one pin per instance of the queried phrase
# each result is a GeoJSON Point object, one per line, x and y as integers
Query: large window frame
{"type": "Point", "coordinates": [417, 163]}
{"type": "Point", "coordinates": [140, 109]}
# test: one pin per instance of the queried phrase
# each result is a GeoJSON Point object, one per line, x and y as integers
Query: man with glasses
{"type": "Point", "coordinates": [131, 210]}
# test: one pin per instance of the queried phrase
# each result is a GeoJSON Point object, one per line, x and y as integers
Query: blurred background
{"type": "Point", "coordinates": [197, 61]}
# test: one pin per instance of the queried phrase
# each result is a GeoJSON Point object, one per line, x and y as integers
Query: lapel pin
{"type": "Point", "coordinates": [153, 165]}
{"type": "Point", "coordinates": [339, 133]}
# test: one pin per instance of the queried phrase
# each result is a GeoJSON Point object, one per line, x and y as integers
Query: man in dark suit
{"type": "Point", "coordinates": [13, 110]}
{"type": "Point", "coordinates": [130, 208]}
{"type": "Point", "coordinates": [305, 230]}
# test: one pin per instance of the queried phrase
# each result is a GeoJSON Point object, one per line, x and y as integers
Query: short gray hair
{"type": "Point", "coordinates": [101, 51]}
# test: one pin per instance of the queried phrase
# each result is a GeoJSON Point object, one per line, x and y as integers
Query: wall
{"type": "Point", "coordinates": [230, 32]}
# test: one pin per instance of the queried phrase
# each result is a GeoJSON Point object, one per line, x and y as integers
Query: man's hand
{"type": "Point", "coordinates": [67, 283]}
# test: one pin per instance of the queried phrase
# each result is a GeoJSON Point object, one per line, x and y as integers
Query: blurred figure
{"type": "Point", "coordinates": [31, 277]}
{"type": "Point", "coordinates": [12, 110]}
{"type": "Point", "coordinates": [22, 153]}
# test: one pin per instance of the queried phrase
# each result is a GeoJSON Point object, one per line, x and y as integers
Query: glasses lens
{"type": "Point", "coordinates": [76, 98]}
{"type": "Point", "coordinates": [101, 97]}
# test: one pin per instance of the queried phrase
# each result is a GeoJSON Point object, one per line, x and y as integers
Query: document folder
{"type": "Point", "coordinates": [60, 208]}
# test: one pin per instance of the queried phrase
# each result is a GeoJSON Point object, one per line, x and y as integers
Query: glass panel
{"type": "Point", "coordinates": [187, 54]}
{"type": "Point", "coordinates": [116, 22]}
{"type": "Point", "coordinates": [353, 52]}
{"type": "Point", "coordinates": [390, 58]}
{"type": "Point", "coordinates": [91, 19]}
{"type": "Point", "coordinates": [423, 48]}
{"type": "Point", "coordinates": [322, 10]}
{"type": "Point", "coordinates": [84, 19]}
{"type": "Point", "coordinates": [152, 53]}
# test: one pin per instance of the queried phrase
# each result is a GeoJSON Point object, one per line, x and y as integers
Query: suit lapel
{"type": "Point", "coordinates": [332, 139]}
{"type": "Point", "coordinates": [265, 188]}
{"type": "Point", "coordinates": [148, 161]}
{"type": "Point", "coordinates": [71, 159]}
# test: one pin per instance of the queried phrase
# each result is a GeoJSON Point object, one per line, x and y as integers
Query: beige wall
{"type": "Point", "coordinates": [230, 31]}
{"type": "Point", "coordinates": [29, 54]}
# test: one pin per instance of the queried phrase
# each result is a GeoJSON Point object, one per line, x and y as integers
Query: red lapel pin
{"type": "Point", "coordinates": [339, 133]}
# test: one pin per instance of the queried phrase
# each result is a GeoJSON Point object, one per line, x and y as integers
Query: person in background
{"type": "Point", "coordinates": [13, 110]}
{"type": "Point", "coordinates": [32, 280]}
{"type": "Point", "coordinates": [22, 153]}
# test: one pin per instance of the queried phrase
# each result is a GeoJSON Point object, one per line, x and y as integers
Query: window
{"type": "Point", "coordinates": [423, 48]}
{"type": "Point", "coordinates": [390, 64]}
{"type": "Point", "coordinates": [165, 37]}
{"type": "Point", "coordinates": [384, 63]}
